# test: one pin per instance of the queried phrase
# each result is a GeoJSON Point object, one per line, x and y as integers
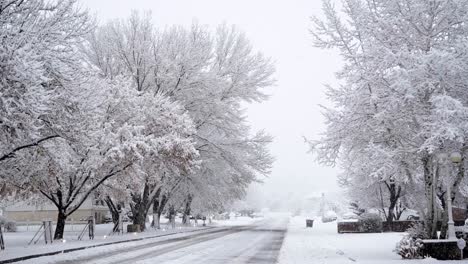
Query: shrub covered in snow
{"type": "Point", "coordinates": [411, 246]}
{"type": "Point", "coordinates": [329, 216]}
{"type": "Point", "coordinates": [370, 222]}
{"type": "Point", "coordinates": [10, 226]}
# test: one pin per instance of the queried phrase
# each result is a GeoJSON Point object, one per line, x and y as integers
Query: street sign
{"type": "Point", "coordinates": [461, 243]}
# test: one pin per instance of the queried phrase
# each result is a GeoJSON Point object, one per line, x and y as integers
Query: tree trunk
{"type": "Point", "coordinates": [399, 211]}
{"type": "Point", "coordinates": [172, 215]}
{"type": "Point", "coordinates": [394, 196]}
{"type": "Point", "coordinates": [187, 210]}
{"type": "Point", "coordinates": [60, 228]}
{"type": "Point", "coordinates": [115, 211]}
{"type": "Point", "coordinates": [141, 219]}
{"type": "Point", "coordinates": [157, 220]}
{"type": "Point", "coordinates": [161, 207]}
{"type": "Point", "coordinates": [444, 225]}
{"type": "Point", "coordinates": [154, 223]}
{"type": "Point", "coordinates": [140, 207]}
{"type": "Point", "coordinates": [429, 179]}
{"type": "Point", "coordinates": [158, 207]}
{"type": "Point", "coordinates": [391, 213]}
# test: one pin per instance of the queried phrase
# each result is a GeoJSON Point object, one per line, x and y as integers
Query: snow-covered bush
{"type": "Point", "coordinates": [9, 225]}
{"type": "Point", "coordinates": [329, 216]}
{"type": "Point", "coordinates": [411, 246]}
{"type": "Point", "coordinates": [370, 222]}
{"type": "Point", "coordinates": [357, 210]}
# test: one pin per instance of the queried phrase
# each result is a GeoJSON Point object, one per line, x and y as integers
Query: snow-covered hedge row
{"type": "Point", "coordinates": [370, 223]}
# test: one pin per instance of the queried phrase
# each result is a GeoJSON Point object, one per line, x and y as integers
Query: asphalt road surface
{"type": "Point", "coordinates": [256, 243]}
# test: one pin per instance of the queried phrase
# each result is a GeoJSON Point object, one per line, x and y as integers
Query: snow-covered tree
{"type": "Point", "coordinates": [210, 75]}
{"type": "Point", "coordinates": [211, 79]}
{"type": "Point", "coordinates": [403, 89]}
{"type": "Point", "coordinates": [175, 157]}
{"type": "Point", "coordinates": [66, 130]}
{"type": "Point", "coordinates": [109, 132]}
{"type": "Point", "coordinates": [37, 52]}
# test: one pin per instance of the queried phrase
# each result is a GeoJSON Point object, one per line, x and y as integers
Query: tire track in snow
{"type": "Point", "coordinates": [181, 245]}
{"type": "Point", "coordinates": [122, 251]}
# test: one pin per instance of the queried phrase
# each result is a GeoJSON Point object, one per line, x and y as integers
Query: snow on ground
{"type": "Point", "coordinates": [238, 221]}
{"type": "Point", "coordinates": [323, 245]}
{"type": "Point", "coordinates": [239, 244]}
{"type": "Point", "coordinates": [77, 256]}
{"type": "Point", "coordinates": [16, 243]}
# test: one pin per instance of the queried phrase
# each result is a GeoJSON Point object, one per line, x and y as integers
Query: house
{"type": "Point", "coordinates": [40, 211]}
{"type": "Point", "coordinates": [459, 215]}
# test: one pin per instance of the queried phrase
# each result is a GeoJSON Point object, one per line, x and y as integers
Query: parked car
{"type": "Point", "coordinates": [412, 217]}
{"type": "Point", "coordinates": [198, 217]}
{"type": "Point", "coordinates": [410, 214]}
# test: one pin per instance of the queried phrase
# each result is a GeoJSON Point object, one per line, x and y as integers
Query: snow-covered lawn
{"type": "Point", "coordinates": [323, 245]}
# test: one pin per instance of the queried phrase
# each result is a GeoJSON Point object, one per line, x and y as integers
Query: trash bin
{"type": "Point", "coordinates": [309, 222]}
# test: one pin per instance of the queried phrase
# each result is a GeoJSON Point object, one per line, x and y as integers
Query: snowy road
{"type": "Point", "coordinates": [256, 243]}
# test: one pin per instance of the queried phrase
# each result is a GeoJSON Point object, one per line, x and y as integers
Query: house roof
{"type": "Point", "coordinates": [47, 206]}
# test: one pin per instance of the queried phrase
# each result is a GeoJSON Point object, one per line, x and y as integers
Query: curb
{"type": "Point", "coordinates": [94, 246]}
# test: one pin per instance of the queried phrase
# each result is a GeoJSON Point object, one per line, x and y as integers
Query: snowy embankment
{"type": "Point", "coordinates": [323, 245]}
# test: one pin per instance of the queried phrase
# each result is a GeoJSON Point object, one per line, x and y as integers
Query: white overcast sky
{"type": "Point", "coordinates": [279, 29]}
